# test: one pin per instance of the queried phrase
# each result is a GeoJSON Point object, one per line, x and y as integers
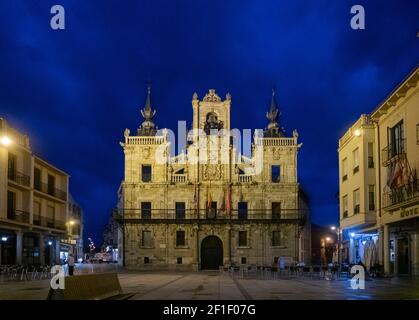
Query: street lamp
{"type": "Point", "coordinates": [338, 232]}
{"type": "Point", "coordinates": [72, 222]}
{"type": "Point", "coordinates": [5, 141]}
{"type": "Point", "coordinates": [357, 132]}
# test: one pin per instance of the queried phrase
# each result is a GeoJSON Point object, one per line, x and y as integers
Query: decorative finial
{"type": "Point", "coordinates": [195, 96]}
{"type": "Point", "coordinates": [147, 128]}
{"type": "Point", "coordinates": [273, 129]}
{"type": "Point", "coordinates": [228, 96]}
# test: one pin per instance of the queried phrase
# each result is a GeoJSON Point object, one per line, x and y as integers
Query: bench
{"type": "Point", "coordinates": [96, 286]}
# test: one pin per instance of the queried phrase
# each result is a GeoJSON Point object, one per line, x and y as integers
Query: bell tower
{"type": "Point", "coordinates": [211, 112]}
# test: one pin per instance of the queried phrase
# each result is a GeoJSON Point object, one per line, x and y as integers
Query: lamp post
{"type": "Point", "coordinates": [338, 231]}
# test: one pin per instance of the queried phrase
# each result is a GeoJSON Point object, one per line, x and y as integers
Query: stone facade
{"type": "Point", "coordinates": [210, 205]}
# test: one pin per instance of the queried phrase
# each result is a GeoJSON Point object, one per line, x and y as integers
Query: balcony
{"type": "Point", "coordinates": [393, 151]}
{"type": "Point", "coordinates": [402, 196]}
{"type": "Point", "coordinates": [19, 178]}
{"type": "Point", "coordinates": [245, 178]}
{"type": "Point", "coordinates": [50, 190]}
{"type": "Point", "coordinates": [360, 219]}
{"type": "Point", "coordinates": [49, 223]}
{"type": "Point", "coordinates": [18, 215]}
{"type": "Point", "coordinates": [179, 178]}
{"type": "Point", "coordinates": [200, 216]}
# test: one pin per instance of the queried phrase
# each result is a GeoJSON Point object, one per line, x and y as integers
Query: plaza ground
{"type": "Point", "coordinates": [208, 285]}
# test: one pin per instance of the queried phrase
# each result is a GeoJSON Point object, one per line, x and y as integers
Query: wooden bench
{"type": "Point", "coordinates": [96, 286]}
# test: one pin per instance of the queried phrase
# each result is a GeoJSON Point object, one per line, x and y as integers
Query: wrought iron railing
{"type": "Point", "coordinates": [208, 215]}
{"type": "Point", "coordinates": [50, 190]}
{"type": "Point", "coordinates": [393, 150]}
{"type": "Point", "coordinates": [48, 222]}
{"type": "Point", "coordinates": [18, 215]}
{"type": "Point", "coordinates": [19, 178]}
{"type": "Point", "coordinates": [406, 193]}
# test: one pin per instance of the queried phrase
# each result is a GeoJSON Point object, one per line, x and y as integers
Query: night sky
{"type": "Point", "coordinates": [74, 91]}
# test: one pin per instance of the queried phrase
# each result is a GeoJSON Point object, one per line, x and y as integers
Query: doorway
{"type": "Point", "coordinates": [211, 253]}
{"type": "Point", "coordinates": [403, 256]}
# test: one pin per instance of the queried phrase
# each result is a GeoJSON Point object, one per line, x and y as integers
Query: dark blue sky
{"type": "Point", "coordinates": [75, 91]}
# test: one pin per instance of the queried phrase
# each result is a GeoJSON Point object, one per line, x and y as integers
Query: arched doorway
{"type": "Point", "coordinates": [211, 253]}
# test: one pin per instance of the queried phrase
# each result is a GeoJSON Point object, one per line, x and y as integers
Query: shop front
{"type": "Point", "coordinates": [403, 226]}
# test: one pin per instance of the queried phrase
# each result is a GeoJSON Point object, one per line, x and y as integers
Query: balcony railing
{"type": "Point", "coordinates": [50, 190]}
{"type": "Point", "coordinates": [202, 216]}
{"type": "Point", "coordinates": [18, 215]}
{"type": "Point", "coordinates": [393, 150]}
{"type": "Point", "coordinates": [245, 178]}
{"type": "Point", "coordinates": [48, 222]}
{"type": "Point", "coordinates": [401, 195]}
{"type": "Point", "coordinates": [19, 178]}
{"type": "Point", "coordinates": [179, 178]}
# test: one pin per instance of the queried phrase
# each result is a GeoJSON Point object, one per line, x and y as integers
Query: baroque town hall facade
{"type": "Point", "coordinates": [225, 209]}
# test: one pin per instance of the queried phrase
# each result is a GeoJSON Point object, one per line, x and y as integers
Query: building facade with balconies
{"type": "Point", "coordinates": [33, 203]}
{"type": "Point", "coordinates": [384, 231]}
{"type": "Point", "coordinates": [211, 206]}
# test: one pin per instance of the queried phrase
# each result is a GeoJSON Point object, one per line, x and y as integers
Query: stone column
{"type": "Point", "coordinates": [19, 247]}
{"type": "Point", "coordinates": [380, 246]}
{"type": "Point", "coordinates": [386, 249]}
{"type": "Point", "coordinates": [414, 249]}
{"type": "Point", "coordinates": [197, 260]}
{"type": "Point", "coordinates": [41, 249]}
{"type": "Point", "coordinates": [57, 250]}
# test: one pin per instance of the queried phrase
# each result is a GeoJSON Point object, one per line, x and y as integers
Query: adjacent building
{"type": "Point", "coordinates": [34, 202]}
{"type": "Point", "coordinates": [210, 205]}
{"type": "Point", "coordinates": [379, 195]}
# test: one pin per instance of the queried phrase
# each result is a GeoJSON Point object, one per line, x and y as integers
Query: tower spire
{"type": "Point", "coordinates": [148, 127]}
{"type": "Point", "coordinates": [273, 129]}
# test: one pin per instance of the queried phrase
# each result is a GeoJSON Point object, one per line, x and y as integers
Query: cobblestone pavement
{"type": "Point", "coordinates": [212, 286]}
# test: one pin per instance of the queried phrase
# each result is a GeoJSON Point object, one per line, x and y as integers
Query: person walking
{"type": "Point", "coordinates": [70, 262]}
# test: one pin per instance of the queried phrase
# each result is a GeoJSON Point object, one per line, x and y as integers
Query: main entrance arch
{"type": "Point", "coordinates": [211, 253]}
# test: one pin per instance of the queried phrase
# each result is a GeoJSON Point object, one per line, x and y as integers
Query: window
{"type": "Point", "coordinates": [370, 155]}
{"type": "Point", "coordinates": [179, 260]}
{"type": "Point", "coordinates": [276, 210]}
{"type": "Point", "coordinates": [355, 157]}
{"type": "Point", "coordinates": [243, 260]}
{"type": "Point", "coordinates": [146, 239]}
{"type": "Point", "coordinates": [242, 210]}
{"type": "Point", "coordinates": [180, 238]}
{"type": "Point", "coordinates": [50, 216]}
{"type": "Point", "coordinates": [180, 210]}
{"type": "Point", "coordinates": [146, 260]}
{"type": "Point", "coordinates": [36, 213]}
{"type": "Point", "coordinates": [276, 238]}
{"type": "Point", "coordinates": [345, 206]}
{"type": "Point", "coordinates": [371, 197]}
{"type": "Point", "coordinates": [145, 210]}
{"type": "Point", "coordinates": [212, 210]}
{"type": "Point", "coordinates": [242, 238]}
{"type": "Point", "coordinates": [276, 173]}
{"type": "Point", "coordinates": [145, 173]}
{"type": "Point", "coordinates": [396, 139]}
{"type": "Point", "coordinates": [11, 205]}
{"type": "Point", "coordinates": [51, 185]}
{"type": "Point", "coordinates": [356, 201]}
{"type": "Point", "coordinates": [344, 169]}
{"type": "Point", "coordinates": [37, 178]}
{"type": "Point", "coordinates": [11, 166]}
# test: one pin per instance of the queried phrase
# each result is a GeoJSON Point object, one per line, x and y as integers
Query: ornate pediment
{"type": "Point", "coordinates": [211, 96]}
